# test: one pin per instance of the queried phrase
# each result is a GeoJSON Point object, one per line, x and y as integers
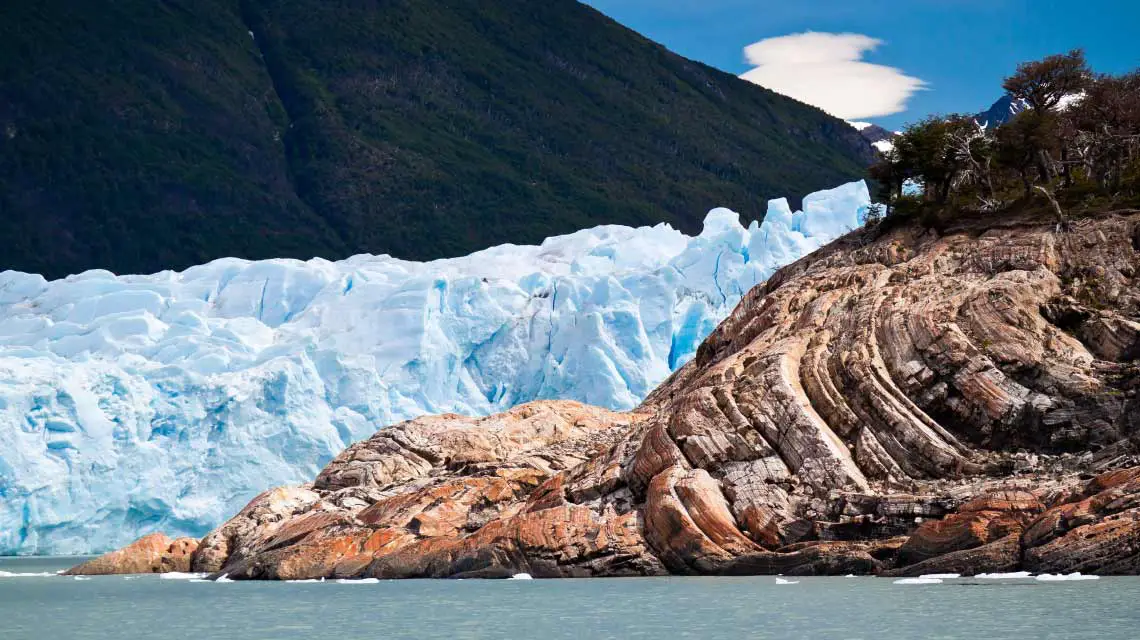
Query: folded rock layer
{"type": "Point", "coordinates": [898, 402]}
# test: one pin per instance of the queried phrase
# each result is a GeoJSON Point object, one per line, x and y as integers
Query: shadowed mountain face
{"type": "Point", "coordinates": [1000, 112]}
{"type": "Point", "coordinates": [139, 135]}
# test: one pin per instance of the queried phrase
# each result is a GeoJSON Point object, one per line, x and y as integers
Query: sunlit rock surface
{"type": "Point", "coordinates": [901, 403]}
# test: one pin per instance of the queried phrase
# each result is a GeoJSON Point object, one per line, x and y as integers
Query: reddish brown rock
{"type": "Point", "coordinates": [899, 402]}
{"type": "Point", "coordinates": [1000, 556]}
{"type": "Point", "coordinates": [1098, 534]}
{"type": "Point", "coordinates": [155, 553]}
{"type": "Point", "coordinates": [985, 519]}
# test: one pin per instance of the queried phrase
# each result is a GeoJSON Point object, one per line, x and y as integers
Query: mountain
{"type": "Point", "coordinates": [130, 404]}
{"type": "Point", "coordinates": [1001, 111]}
{"type": "Point", "coordinates": [900, 402]}
{"type": "Point", "coordinates": [142, 135]}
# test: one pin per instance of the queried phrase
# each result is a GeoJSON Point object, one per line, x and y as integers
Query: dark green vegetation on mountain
{"type": "Point", "coordinates": [140, 135]}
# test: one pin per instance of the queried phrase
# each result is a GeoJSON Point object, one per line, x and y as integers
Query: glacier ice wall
{"type": "Point", "coordinates": [130, 404]}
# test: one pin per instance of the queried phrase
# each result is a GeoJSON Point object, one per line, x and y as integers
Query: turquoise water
{"type": "Point", "coordinates": [51, 607]}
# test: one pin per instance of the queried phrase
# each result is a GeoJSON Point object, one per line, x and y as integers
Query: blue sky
{"type": "Point", "coordinates": [961, 49]}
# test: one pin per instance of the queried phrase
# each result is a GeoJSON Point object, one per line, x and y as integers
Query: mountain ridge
{"type": "Point", "coordinates": [158, 135]}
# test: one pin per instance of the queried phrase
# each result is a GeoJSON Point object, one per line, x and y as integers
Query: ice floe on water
{"type": "Point", "coordinates": [941, 576]}
{"type": "Point", "coordinates": [922, 580]}
{"type": "Point", "coordinates": [80, 578]}
{"type": "Point", "coordinates": [139, 403]}
{"type": "Point", "coordinates": [41, 574]}
{"type": "Point", "coordinates": [786, 581]}
{"type": "Point", "coordinates": [1067, 577]}
{"type": "Point", "coordinates": [521, 576]}
{"type": "Point", "coordinates": [1012, 575]}
{"type": "Point", "coordinates": [358, 581]}
{"type": "Point", "coordinates": [176, 575]}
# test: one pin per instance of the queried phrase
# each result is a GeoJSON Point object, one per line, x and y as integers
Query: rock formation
{"type": "Point", "coordinates": [900, 402]}
{"type": "Point", "coordinates": [155, 553]}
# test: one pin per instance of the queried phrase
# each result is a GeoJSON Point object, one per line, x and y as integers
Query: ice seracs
{"type": "Point", "coordinates": [132, 404]}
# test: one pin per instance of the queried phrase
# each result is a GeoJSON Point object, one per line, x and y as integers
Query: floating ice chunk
{"type": "Point", "coordinates": [81, 578]}
{"type": "Point", "coordinates": [10, 574]}
{"type": "Point", "coordinates": [1012, 575]}
{"type": "Point", "coordinates": [358, 581]}
{"type": "Point", "coordinates": [918, 581]}
{"type": "Point", "coordinates": [941, 576]}
{"type": "Point", "coordinates": [784, 581]}
{"type": "Point", "coordinates": [521, 576]}
{"type": "Point", "coordinates": [175, 575]}
{"type": "Point", "coordinates": [1051, 577]}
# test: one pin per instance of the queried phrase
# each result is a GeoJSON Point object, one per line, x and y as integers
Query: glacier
{"type": "Point", "coordinates": [140, 403]}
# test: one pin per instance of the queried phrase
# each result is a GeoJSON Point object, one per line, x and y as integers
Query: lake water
{"type": "Point", "coordinates": [51, 607]}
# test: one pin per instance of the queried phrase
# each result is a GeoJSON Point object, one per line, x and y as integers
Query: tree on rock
{"type": "Point", "coordinates": [1044, 83]}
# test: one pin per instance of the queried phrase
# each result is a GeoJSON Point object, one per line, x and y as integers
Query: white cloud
{"type": "Point", "coordinates": [827, 70]}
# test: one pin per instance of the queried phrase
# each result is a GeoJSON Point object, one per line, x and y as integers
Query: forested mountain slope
{"type": "Point", "coordinates": [141, 135]}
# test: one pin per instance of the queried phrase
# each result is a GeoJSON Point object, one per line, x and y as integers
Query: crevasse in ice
{"type": "Point", "coordinates": [131, 404]}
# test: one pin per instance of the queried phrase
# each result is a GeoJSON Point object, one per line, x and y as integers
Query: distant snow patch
{"type": "Point", "coordinates": [883, 146]}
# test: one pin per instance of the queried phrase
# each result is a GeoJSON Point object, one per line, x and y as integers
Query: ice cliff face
{"type": "Point", "coordinates": [130, 404]}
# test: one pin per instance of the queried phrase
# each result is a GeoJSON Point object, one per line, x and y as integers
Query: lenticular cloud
{"type": "Point", "coordinates": [827, 70]}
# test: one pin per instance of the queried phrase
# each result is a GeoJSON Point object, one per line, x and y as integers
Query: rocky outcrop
{"type": "Point", "coordinates": [155, 553]}
{"type": "Point", "coordinates": [903, 403]}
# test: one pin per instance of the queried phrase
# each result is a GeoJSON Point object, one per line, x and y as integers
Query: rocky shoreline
{"type": "Point", "coordinates": [898, 403]}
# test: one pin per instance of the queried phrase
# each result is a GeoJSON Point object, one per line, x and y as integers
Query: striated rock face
{"type": "Point", "coordinates": [911, 403]}
{"type": "Point", "coordinates": [155, 553]}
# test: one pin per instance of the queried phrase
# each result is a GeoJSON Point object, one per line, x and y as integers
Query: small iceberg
{"type": "Point", "coordinates": [1012, 575]}
{"type": "Point", "coordinates": [178, 575]}
{"type": "Point", "coordinates": [783, 581]}
{"type": "Point", "coordinates": [9, 574]}
{"type": "Point", "coordinates": [359, 581]}
{"type": "Point", "coordinates": [81, 578]}
{"type": "Point", "coordinates": [941, 576]}
{"type": "Point", "coordinates": [922, 580]}
{"type": "Point", "coordinates": [521, 576]}
{"type": "Point", "coordinates": [1052, 577]}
